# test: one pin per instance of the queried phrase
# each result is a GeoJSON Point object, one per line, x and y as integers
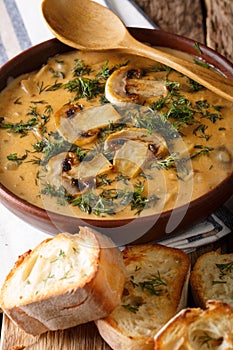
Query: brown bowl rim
{"type": "Point", "coordinates": [11, 201]}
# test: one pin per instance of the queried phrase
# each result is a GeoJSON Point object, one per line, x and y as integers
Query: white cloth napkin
{"type": "Point", "coordinates": [21, 26]}
{"type": "Point", "coordinates": [207, 231]}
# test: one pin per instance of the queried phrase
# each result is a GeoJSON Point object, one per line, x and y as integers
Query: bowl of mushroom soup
{"type": "Point", "coordinates": [114, 141]}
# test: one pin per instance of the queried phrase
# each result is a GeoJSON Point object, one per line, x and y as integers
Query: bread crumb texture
{"type": "Point", "coordinates": [54, 267]}
{"type": "Point", "coordinates": [155, 289]}
{"type": "Point", "coordinates": [212, 278]}
{"type": "Point", "coordinates": [65, 281]}
{"type": "Point", "coordinates": [197, 329]}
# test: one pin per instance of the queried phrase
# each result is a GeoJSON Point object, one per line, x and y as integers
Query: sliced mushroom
{"type": "Point", "coordinates": [97, 166]}
{"type": "Point", "coordinates": [82, 175]}
{"type": "Point", "coordinates": [68, 111]}
{"type": "Point", "coordinates": [57, 169]}
{"type": "Point", "coordinates": [76, 177]}
{"type": "Point", "coordinates": [130, 158]}
{"type": "Point", "coordinates": [82, 126]}
{"type": "Point", "coordinates": [155, 142]}
{"type": "Point", "coordinates": [146, 87]}
{"type": "Point", "coordinates": [125, 85]}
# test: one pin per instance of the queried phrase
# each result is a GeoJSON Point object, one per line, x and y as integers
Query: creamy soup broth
{"type": "Point", "coordinates": [37, 110]}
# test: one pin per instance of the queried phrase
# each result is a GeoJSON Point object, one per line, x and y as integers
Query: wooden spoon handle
{"type": "Point", "coordinates": [207, 77]}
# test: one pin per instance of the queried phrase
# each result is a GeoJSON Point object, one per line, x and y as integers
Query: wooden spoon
{"type": "Point", "coordinates": [86, 25]}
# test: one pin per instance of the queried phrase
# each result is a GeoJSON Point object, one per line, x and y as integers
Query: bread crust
{"type": "Point", "coordinates": [75, 301]}
{"type": "Point", "coordinates": [155, 289]}
{"type": "Point", "coordinates": [194, 328]}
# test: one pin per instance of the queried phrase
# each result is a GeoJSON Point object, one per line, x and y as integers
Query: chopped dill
{"type": "Point", "coordinates": [131, 308]}
{"type": "Point", "coordinates": [153, 285]}
{"type": "Point", "coordinates": [20, 127]}
{"type": "Point", "coordinates": [16, 159]}
{"type": "Point", "coordinates": [106, 71]}
{"type": "Point", "coordinates": [84, 88]}
{"type": "Point", "coordinates": [54, 87]}
{"type": "Point", "coordinates": [200, 131]}
{"type": "Point", "coordinates": [103, 180]}
{"type": "Point", "coordinates": [195, 86]}
{"type": "Point", "coordinates": [224, 269]}
{"type": "Point", "coordinates": [80, 68]}
{"type": "Point", "coordinates": [203, 151]}
{"type": "Point", "coordinates": [197, 47]}
{"type": "Point", "coordinates": [169, 162]}
{"type": "Point", "coordinates": [202, 63]}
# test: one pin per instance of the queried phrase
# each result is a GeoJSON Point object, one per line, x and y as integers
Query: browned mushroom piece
{"type": "Point", "coordinates": [68, 111]}
{"type": "Point", "coordinates": [154, 141]}
{"type": "Point", "coordinates": [76, 177]}
{"type": "Point", "coordinates": [82, 126]}
{"type": "Point", "coordinates": [126, 85]}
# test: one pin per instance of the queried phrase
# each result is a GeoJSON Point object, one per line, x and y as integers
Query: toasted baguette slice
{"type": "Point", "coordinates": [212, 278]}
{"type": "Point", "coordinates": [155, 289]}
{"type": "Point", "coordinates": [65, 281]}
{"type": "Point", "coordinates": [197, 329]}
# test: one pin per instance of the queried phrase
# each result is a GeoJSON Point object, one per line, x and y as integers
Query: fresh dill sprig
{"type": "Point", "coordinates": [202, 63]}
{"type": "Point", "coordinates": [80, 68]}
{"type": "Point", "coordinates": [106, 71]}
{"type": "Point", "coordinates": [197, 47]}
{"type": "Point", "coordinates": [131, 308]}
{"type": "Point", "coordinates": [204, 150]}
{"type": "Point", "coordinates": [169, 162]}
{"type": "Point", "coordinates": [17, 159]}
{"type": "Point", "coordinates": [224, 269]}
{"type": "Point", "coordinates": [84, 87]}
{"type": "Point", "coordinates": [153, 285]}
{"type": "Point", "coordinates": [20, 127]}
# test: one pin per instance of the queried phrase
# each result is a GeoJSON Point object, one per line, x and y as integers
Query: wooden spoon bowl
{"type": "Point", "coordinates": [86, 25]}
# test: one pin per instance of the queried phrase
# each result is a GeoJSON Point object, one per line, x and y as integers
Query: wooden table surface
{"type": "Point", "coordinates": [205, 21]}
{"type": "Point", "coordinates": [208, 21]}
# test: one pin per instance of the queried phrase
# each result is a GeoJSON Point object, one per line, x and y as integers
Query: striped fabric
{"type": "Point", "coordinates": [13, 35]}
{"type": "Point", "coordinates": [21, 26]}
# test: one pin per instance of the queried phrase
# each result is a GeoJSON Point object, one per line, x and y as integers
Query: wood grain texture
{"type": "Point", "coordinates": [84, 337]}
{"type": "Point", "coordinates": [177, 16]}
{"type": "Point", "coordinates": [206, 21]}
{"type": "Point", "coordinates": [219, 26]}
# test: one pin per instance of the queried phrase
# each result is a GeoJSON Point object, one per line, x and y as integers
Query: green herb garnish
{"type": "Point", "coordinates": [84, 88]}
{"type": "Point", "coordinates": [61, 256]}
{"type": "Point", "coordinates": [153, 285]}
{"type": "Point", "coordinates": [15, 158]}
{"type": "Point", "coordinates": [203, 151]}
{"type": "Point", "coordinates": [202, 63]}
{"type": "Point", "coordinates": [131, 308]}
{"type": "Point", "coordinates": [20, 127]}
{"type": "Point", "coordinates": [224, 269]}
{"type": "Point", "coordinates": [197, 47]}
{"type": "Point", "coordinates": [80, 68]}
